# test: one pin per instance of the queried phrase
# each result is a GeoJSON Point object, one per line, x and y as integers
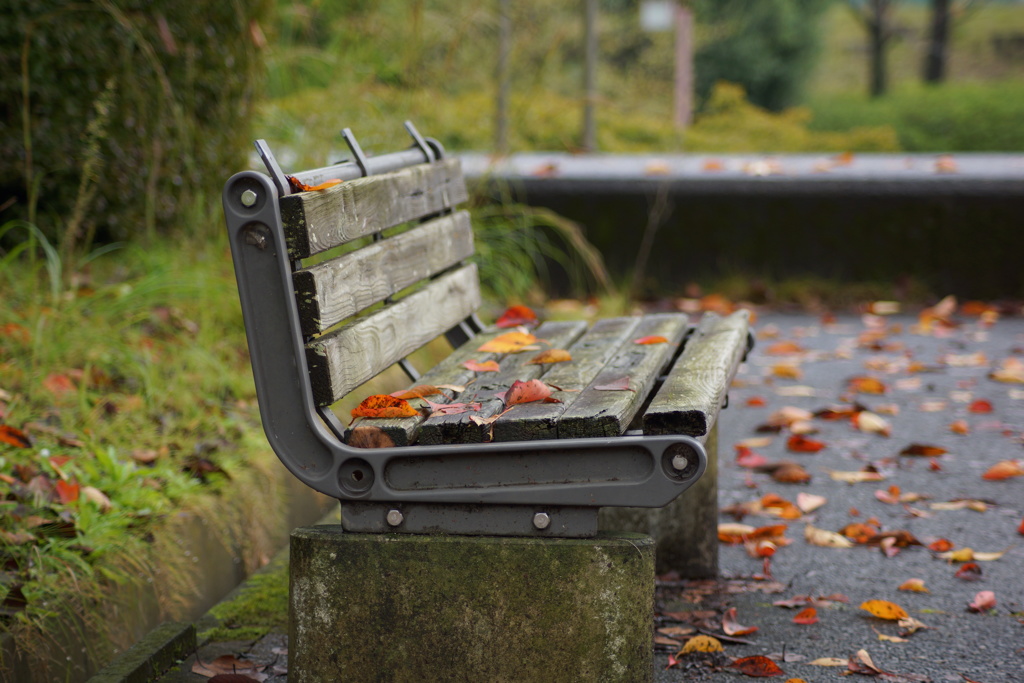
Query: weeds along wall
{"type": "Point", "coordinates": [117, 115]}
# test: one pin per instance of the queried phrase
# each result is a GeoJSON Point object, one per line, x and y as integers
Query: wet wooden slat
{"type": "Point", "coordinates": [608, 413]}
{"type": "Point", "coordinates": [331, 291]}
{"type": "Point", "coordinates": [459, 428]}
{"type": "Point", "coordinates": [323, 219]}
{"type": "Point", "coordinates": [691, 397]}
{"type": "Point", "coordinates": [589, 356]}
{"type": "Point", "coordinates": [342, 359]}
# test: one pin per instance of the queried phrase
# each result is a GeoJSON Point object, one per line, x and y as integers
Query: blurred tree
{"type": "Point", "coordinates": [876, 17]}
{"type": "Point", "coordinates": [767, 46]}
{"type": "Point", "coordinates": [943, 15]}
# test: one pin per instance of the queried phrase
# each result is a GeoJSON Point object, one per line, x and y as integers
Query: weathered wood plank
{"type": "Point", "coordinates": [608, 413]}
{"type": "Point", "coordinates": [331, 291]}
{"type": "Point", "coordinates": [589, 356]}
{"type": "Point", "coordinates": [320, 220]}
{"type": "Point", "coordinates": [341, 360]}
{"type": "Point", "coordinates": [692, 395]}
{"type": "Point", "coordinates": [402, 431]}
{"type": "Point", "coordinates": [459, 428]}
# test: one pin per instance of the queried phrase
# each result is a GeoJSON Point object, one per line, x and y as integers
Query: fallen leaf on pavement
{"type": "Point", "coordinates": [913, 585]}
{"type": "Point", "coordinates": [801, 444]}
{"type": "Point", "coordinates": [829, 661]}
{"type": "Point", "coordinates": [959, 427]}
{"type": "Point", "coordinates": [980, 406]}
{"type": "Point", "coordinates": [855, 477]}
{"type": "Point", "coordinates": [790, 473]}
{"type": "Point", "coordinates": [1010, 370]}
{"type": "Point", "coordinates": [969, 555]}
{"type": "Point", "coordinates": [806, 617]}
{"type": "Point", "coordinates": [983, 602]}
{"type": "Point", "coordinates": [757, 666]}
{"type": "Point", "coordinates": [1004, 469]}
{"type": "Point", "coordinates": [825, 538]}
{"type": "Point", "coordinates": [809, 502]}
{"type": "Point", "coordinates": [866, 385]}
{"type": "Point", "coordinates": [969, 571]}
{"type": "Point", "coordinates": [731, 627]}
{"type": "Point", "coordinates": [883, 609]}
{"type": "Point", "coordinates": [702, 643]}
{"type": "Point", "coordinates": [924, 450]}
{"type": "Point", "coordinates": [871, 423]}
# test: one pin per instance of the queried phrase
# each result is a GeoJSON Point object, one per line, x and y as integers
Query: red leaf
{"type": "Point", "coordinates": [486, 366]}
{"type": "Point", "coordinates": [806, 617]}
{"type": "Point", "coordinates": [58, 384]}
{"type": "Point", "coordinates": [969, 571]}
{"type": "Point", "coordinates": [1020, 529]}
{"type": "Point", "coordinates": [755, 402]}
{"type": "Point", "coordinates": [515, 316]}
{"type": "Point", "coordinates": [67, 491]}
{"type": "Point", "coordinates": [14, 437]}
{"type": "Point", "coordinates": [980, 406]}
{"type": "Point", "coordinates": [746, 457]}
{"type": "Point", "coordinates": [757, 666]}
{"type": "Point", "coordinates": [799, 443]}
{"type": "Point", "coordinates": [527, 392]}
{"type": "Point", "coordinates": [381, 405]}
{"type": "Point", "coordinates": [941, 545]}
{"type": "Point", "coordinates": [651, 339]}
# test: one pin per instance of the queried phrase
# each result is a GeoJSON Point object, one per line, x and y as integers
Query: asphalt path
{"type": "Point", "coordinates": [930, 381]}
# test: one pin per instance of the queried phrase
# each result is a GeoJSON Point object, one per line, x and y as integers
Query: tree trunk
{"type": "Point", "coordinates": [878, 35]}
{"type": "Point", "coordinates": [938, 42]}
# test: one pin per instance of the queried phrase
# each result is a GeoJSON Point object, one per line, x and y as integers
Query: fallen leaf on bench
{"type": "Point", "coordinates": [299, 186]}
{"type": "Point", "coordinates": [515, 316]}
{"type": "Point", "coordinates": [510, 342]}
{"type": "Point", "coordinates": [451, 408]}
{"type": "Point", "coordinates": [527, 392]}
{"type": "Point", "coordinates": [550, 356]}
{"type": "Point", "coordinates": [486, 366]}
{"type": "Point", "coordinates": [369, 437]}
{"type": "Point", "coordinates": [421, 391]}
{"type": "Point", "coordinates": [617, 385]}
{"type": "Point", "coordinates": [651, 339]}
{"type": "Point", "coordinates": [382, 405]}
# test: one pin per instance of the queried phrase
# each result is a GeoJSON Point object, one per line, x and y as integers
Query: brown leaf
{"type": "Point", "coordinates": [923, 450]}
{"type": "Point", "coordinates": [515, 316]}
{"type": "Point", "coordinates": [14, 437]}
{"type": "Point", "coordinates": [757, 666]}
{"type": "Point", "coordinates": [791, 473]}
{"type": "Point", "coordinates": [369, 437]}
{"type": "Point", "coordinates": [227, 665]}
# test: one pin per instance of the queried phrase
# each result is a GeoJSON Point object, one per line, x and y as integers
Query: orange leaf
{"type": "Point", "coordinates": [755, 402]}
{"type": "Point", "coordinates": [806, 617]}
{"type": "Point", "coordinates": [791, 473]}
{"type": "Point", "coordinates": [1004, 469]}
{"type": "Point", "coordinates": [858, 532]}
{"type": "Point", "coordinates": [923, 450]}
{"type": "Point", "coordinates": [757, 666]}
{"type": "Point", "coordinates": [58, 384]}
{"type": "Point", "coordinates": [67, 491]}
{"type": "Point", "coordinates": [801, 444]}
{"type": "Point", "coordinates": [784, 348]}
{"type": "Point", "coordinates": [712, 165]}
{"type": "Point", "coordinates": [515, 316]}
{"type": "Point", "coordinates": [959, 427]}
{"type": "Point", "coordinates": [787, 371]}
{"type": "Point", "coordinates": [980, 406]}
{"type": "Point", "coordinates": [883, 609]}
{"type": "Point", "coordinates": [510, 342]}
{"type": "Point", "coordinates": [550, 356]}
{"type": "Point", "coordinates": [417, 392]}
{"type": "Point", "coordinates": [866, 385]}
{"type": "Point", "coordinates": [731, 627]}
{"type": "Point", "coordinates": [945, 164]}
{"type": "Point", "coordinates": [486, 366]}
{"type": "Point", "coordinates": [651, 339]}
{"type": "Point", "coordinates": [528, 392]}
{"type": "Point", "coordinates": [913, 585]}
{"type": "Point", "coordinates": [940, 545]}
{"type": "Point", "coordinates": [382, 405]}
{"type": "Point", "coordinates": [14, 437]}
{"type": "Point", "coordinates": [299, 186]}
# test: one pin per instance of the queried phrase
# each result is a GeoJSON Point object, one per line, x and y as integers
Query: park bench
{"type": "Point", "coordinates": [338, 284]}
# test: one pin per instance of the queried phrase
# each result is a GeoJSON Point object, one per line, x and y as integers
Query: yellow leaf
{"type": "Point", "coordinates": [828, 661]}
{"type": "Point", "coordinates": [914, 585]}
{"type": "Point", "coordinates": [510, 342]}
{"type": "Point", "coordinates": [961, 555]}
{"type": "Point", "coordinates": [825, 538]}
{"type": "Point", "coordinates": [891, 639]}
{"type": "Point", "coordinates": [883, 609]}
{"type": "Point", "coordinates": [702, 644]}
{"type": "Point", "coordinates": [550, 356]}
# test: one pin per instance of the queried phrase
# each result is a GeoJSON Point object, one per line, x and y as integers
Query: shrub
{"type": "Point", "coordinates": [116, 115]}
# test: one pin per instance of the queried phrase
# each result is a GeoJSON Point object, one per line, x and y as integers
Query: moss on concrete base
{"type": "Point", "coordinates": [424, 608]}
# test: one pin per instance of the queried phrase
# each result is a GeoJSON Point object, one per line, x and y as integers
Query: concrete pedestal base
{"type": "Point", "coordinates": [469, 608]}
{"type": "Point", "coordinates": [685, 530]}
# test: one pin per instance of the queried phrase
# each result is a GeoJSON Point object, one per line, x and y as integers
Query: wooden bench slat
{"type": "Point", "coordinates": [589, 355]}
{"type": "Point", "coordinates": [402, 431]}
{"type": "Point", "coordinates": [341, 360]}
{"type": "Point", "coordinates": [331, 291]}
{"type": "Point", "coordinates": [460, 428]}
{"type": "Point", "coordinates": [608, 413]}
{"type": "Point", "coordinates": [324, 219]}
{"type": "Point", "coordinates": [691, 397]}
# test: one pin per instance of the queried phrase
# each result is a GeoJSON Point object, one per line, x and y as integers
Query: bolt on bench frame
{"type": "Point", "coordinates": [540, 488]}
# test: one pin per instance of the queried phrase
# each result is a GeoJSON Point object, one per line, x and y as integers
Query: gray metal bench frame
{"type": "Point", "coordinates": [543, 488]}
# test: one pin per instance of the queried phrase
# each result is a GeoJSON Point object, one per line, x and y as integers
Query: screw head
{"type": "Point", "coordinates": [395, 517]}
{"type": "Point", "coordinates": [680, 462]}
{"type": "Point", "coordinates": [249, 198]}
{"type": "Point", "coordinates": [542, 520]}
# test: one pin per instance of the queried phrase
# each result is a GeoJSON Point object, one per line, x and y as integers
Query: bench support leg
{"type": "Point", "coordinates": [685, 530]}
{"type": "Point", "coordinates": [470, 608]}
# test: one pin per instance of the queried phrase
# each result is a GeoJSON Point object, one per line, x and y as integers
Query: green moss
{"type": "Point", "coordinates": [257, 607]}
